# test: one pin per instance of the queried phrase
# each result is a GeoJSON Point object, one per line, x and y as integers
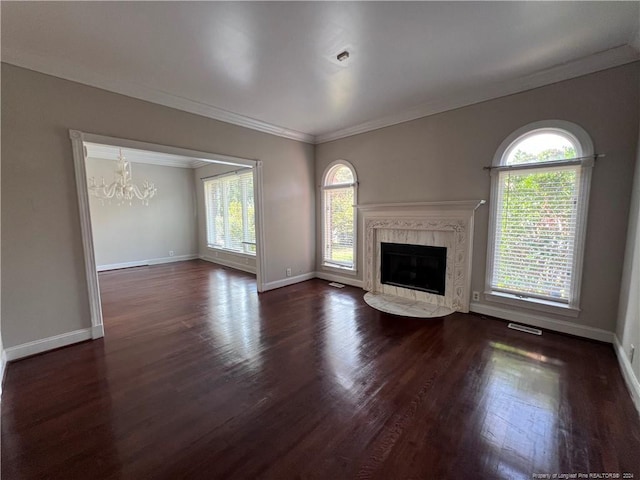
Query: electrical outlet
{"type": "Point", "coordinates": [288, 272]}
{"type": "Point", "coordinates": [246, 261]}
{"type": "Point", "coordinates": [171, 253]}
{"type": "Point", "coordinates": [632, 351]}
{"type": "Point", "coordinates": [476, 296]}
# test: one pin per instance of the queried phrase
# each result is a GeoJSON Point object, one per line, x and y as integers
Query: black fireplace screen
{"type": "Point", "coordinates": [416, 267]}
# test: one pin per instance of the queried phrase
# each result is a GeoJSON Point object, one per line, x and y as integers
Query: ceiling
{"type": "Point", "coordinates": [272, 66]}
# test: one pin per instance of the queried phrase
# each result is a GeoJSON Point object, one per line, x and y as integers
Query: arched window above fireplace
{"type": "Point", "coordinates": [339, 197]}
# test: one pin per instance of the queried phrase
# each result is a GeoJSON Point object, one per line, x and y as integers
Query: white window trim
{"type": "Point", "coordinates": [215, 247]}
{"type": "Point", "coordinates": [329, 266]}
{"type": "Point", "coordinates": [230, 251]}
{"type": "Point", "coordinates": [584, 143]}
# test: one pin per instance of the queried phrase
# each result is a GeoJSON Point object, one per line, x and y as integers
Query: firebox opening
{"type": "Point", "coordinates": [417, 267]}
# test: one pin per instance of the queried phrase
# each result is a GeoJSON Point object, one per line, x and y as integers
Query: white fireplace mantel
{"type": "Point", "coordinates": [446, 224]}
{"type": "Point", "coordinates": [462, 205]}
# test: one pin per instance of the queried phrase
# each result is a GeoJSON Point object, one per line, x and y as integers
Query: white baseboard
{"type": "Point", "coordinates": [541, 321]}
{"type": "Point", "coordinates": [230, 263]}
{"type": "Point", "coordinates": [117, 266]}
{"type": "Point", "coordinates": [97, 331]}
{"type": "Point", "coordinates": [285, 282]}
{"type": "Point", "coordinates": [175, 258]}
{"type": "Point", "coordinates": [354, 282]}
{"type": "Point", "coordinates": [50, 343]}
{"type": "Point", "coordinates": [145, 263]}
{"type": "Point", "coordinates": [627, 372]}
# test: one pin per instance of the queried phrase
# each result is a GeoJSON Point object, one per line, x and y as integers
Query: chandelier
{"type": "Point", "coordinates": [122, 188]}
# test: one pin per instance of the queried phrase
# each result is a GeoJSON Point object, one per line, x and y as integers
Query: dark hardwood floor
{"type": "Point", "coordinates": [200, 377]}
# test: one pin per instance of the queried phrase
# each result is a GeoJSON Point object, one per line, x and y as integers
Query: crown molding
{"type": "Point", "coordinates": [583, 66]}
{"type": "Point", "coordinates": [611, 58]}
{"type": "Point", "coordinates": [63, 69]}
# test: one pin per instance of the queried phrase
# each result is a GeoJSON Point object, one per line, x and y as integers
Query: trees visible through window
{"type": "Point", "coordinates": [339, 198]}
{"type": "Point", "coordinates": [230, 212]}
{"type": "Point", "coordinates": [539, 199]}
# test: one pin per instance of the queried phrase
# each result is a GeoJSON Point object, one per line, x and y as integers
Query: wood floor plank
{"type": "Point", "coordinates": [198, 376]}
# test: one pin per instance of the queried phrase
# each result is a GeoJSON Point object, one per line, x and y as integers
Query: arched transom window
{"type": "Point", "coordinates": [540, 187]}
{"type": "Point", "coordinates": [339, 190]}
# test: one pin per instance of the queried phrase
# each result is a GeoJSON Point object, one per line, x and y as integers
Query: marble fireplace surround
{"type": "Point", "coordinates": [442, 224]}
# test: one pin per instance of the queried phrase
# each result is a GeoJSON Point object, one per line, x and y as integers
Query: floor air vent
{"type": "Point", "coordinates": [336, 284]}
{"type": "Point", "coordinates": [522, 328]}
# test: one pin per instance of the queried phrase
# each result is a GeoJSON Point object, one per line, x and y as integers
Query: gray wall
{"type": "Point", "coordinates": [628, 330]}
{"type": "Point", "coordinates": [44, 285]}
{"type": "Point", "coordinates": [243, 262]}
{"type": "Point", "coordinates": [434, 158]}
{"type": "Point", "coordinates": [440, 157]}
{"type": "Point", "coordinates": [132, 233]}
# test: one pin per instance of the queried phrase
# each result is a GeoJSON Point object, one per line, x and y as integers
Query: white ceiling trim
{"type": "Point", "coordinates": [148, 161]}
{"type": "Point", "coordinates": [107, 152]}
{"type": "Point", "coordinates": [92, 138]}
{"type": "Point", "coordinates": [583, 66]}
{"type": "Point", "coordinates": [65, 70]}
{"type": "Point", "coordinates": [600, 61]}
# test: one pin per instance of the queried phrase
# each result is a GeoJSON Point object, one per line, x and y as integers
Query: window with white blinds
{"type": "Point", "coordinates": [536, 231]}
{"type": "Point", "coordinates": [230, 212]}
{"type": "Point", "coordinates": [339, 216]}
{"type": "Point", "coordinates": [539, 200]}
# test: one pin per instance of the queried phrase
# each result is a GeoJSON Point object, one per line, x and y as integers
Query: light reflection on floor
{"type": "Point", "coordinates": [520, 404]}
{"type": "Point", "coordinates": [342, 340]}
{"type": "Point", "coordinates": [234, 324]}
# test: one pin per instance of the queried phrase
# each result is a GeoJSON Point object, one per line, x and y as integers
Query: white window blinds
{"type": "Point", "coordinates": [536, 221]}
{"type": "Point", "coordinates": [339, 226]}
{"type": "Point", "coordinates": [339, 216]}
{"type": "Point", "coordinates": [230, 212]}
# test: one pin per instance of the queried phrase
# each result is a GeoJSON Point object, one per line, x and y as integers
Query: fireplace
{"type": "Point", "coordinates": [429, 247]}
{"type": "Point", "coordinates": [416, 267]}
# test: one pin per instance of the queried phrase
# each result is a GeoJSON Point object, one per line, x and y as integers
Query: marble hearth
{"type": "Point", "coordinates": [438, 224]}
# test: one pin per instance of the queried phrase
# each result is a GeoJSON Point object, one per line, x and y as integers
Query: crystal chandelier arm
{"type": "Point", "coordinates": [148, 190]}
{"type": "Point", "coordinates": [103, 190]}
{"type": "Point", "coordinates": [109, 190]}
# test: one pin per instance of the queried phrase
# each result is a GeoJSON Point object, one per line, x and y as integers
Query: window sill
{"type": "Point", "coordinates": [338, 269]}
{"type": "Point", "coordinates": [532, 304]}
{"type": "Point", "coordinates": [231, 252]}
